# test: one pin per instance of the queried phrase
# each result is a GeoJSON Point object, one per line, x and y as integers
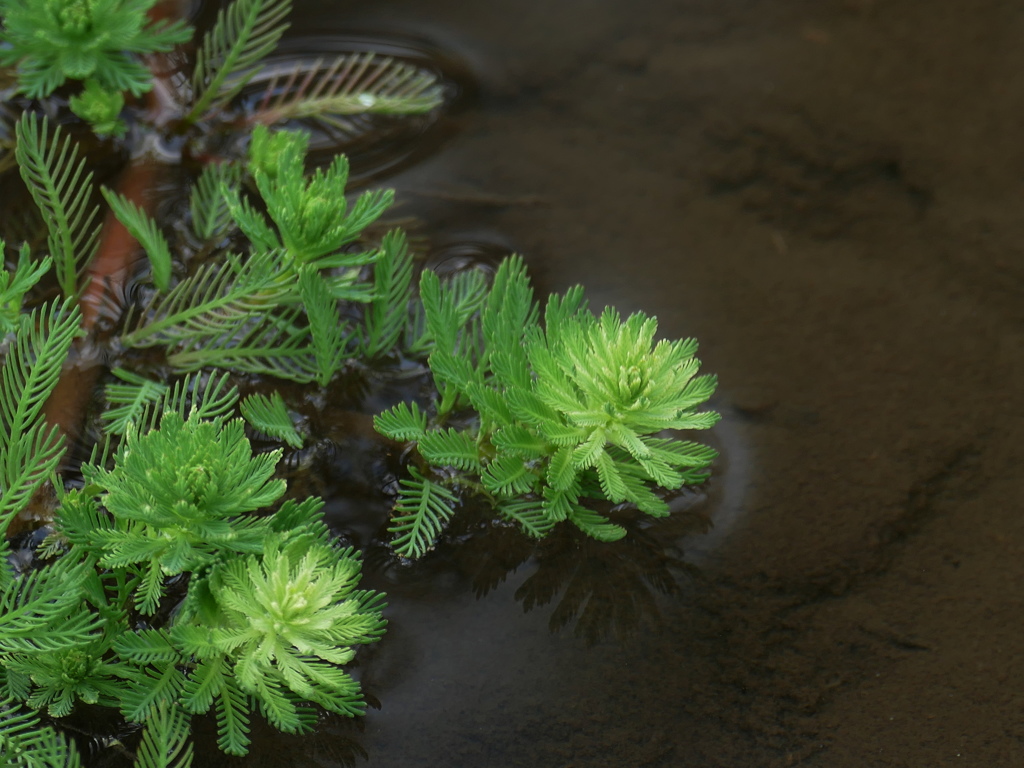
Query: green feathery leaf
{"type": "Point", "coordinates": [206, 397]}
{"type": "Point", "coordinates": [26, 743]}
{"type": "Point", "coordinates": [386, 315]}
{"type": "Point", "coordinates": [508, 315]}
{"type": "Point", "coordinates": [14, 286]}
{"type": "Point", "coordinates": [509, 475]}
{"type": "Point", "coordinates": [144, 229]}
{"type": "Point", "coordinates": [529, 514]}
{"type": "Point", "coordinates": [423, 508]}
{"type": "Point", "coordinates": [218, 298]}
{"type": "Point", "coordinates": [62, 189]}
{"type": "Point", "coordinates": [147, 646]}
{"type": "Point", "coordinates": [127, 402]}
{"type": "Point", "coordinates": [451, 448]}
{"type": "Point", "coordinates": [594, 525]}
{"type": "Point", "coordinates": [101, 108]}
{"type": "Point", "coordinates": [208, 205]}
{"type": "Point", "coordinates": [245, 33]}
{"type": "Point", "coordinates": [41, 611]}
{"type": "Point", "coordinates": [403, 422]}
{"type": "Point", "coordinates": [271, 345]}
{"type": "Point", "coordinates": [165, 740]}
{"type": "Point", "coordinates": [330, 342]}
{"type": "Point", "coordinates": [232, 718]}
{"type": "Point", "coordinates": [353, 84]}
{"type": "Point", "coordinates": [270, 416]}
{"type": "Point", "coordinates": [29, 448]}
{"type": "Point", "coordinates": [152, 687]}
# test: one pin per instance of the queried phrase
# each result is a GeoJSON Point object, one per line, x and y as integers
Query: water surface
{"type": "Point", "coordinates": [828, 196]}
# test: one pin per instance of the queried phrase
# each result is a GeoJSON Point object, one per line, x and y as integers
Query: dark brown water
{"type": "Point", "coordinates": [828, 195]}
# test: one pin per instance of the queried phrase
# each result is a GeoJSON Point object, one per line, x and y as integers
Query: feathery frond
{"type": "Point", "coordinates": [208, 206]}
{"type": "Point", "coordinates": [422, 510]}
{"type": "Point", "coordinates": [404, 422]}
{"type": "Point", "coordinates": [270, 416]}
{"type": "Point", "coordinates": [14, 286]}
{"type": "Point", "coordinates": [355, 83]}
{"type": "Point", "coordinates": [244, 33]}
{"type": "Point", "coordinates": [328, 330]}
{"type": "Point", "coordinates": [101, 108]}
{"type": "Point", "coordinates": [451, 448]}
{"type": "Point", "coordinates": [529, 514]}
{"type": "Point", "coordinates": [594, 525]}
{"type": "Point", "coordinates": [129, 400]}
{"type": "Point", "coordinates": [150, 689]}
{"type": "Point", "coordinates": [208, 398]}
{"type": "Point", "coordinates": [274, 345]}
{"type": "Point", "coordinates": [144, 229]}
{"type": "Point", "coordinates": [62, 189]}
{"type": "Point", "coordinates": [386, 315]}
{"type": "Point", "coordinates": [26, 743]}
{"type": "Point", "coordinates": [29, 448]}
{"type": "Point", "coordinates": [41, 611]}
{"type": "Point", "coordinates": [216, 299]}
{"type": "Point", "coordinates": [165, 740]}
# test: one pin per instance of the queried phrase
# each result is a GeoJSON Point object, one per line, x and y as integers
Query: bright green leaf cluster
{"type": "Point", "coordinates": [101, 108]}
{"type": "Point", "coordinates": [52, 41]}
{"type": "Point", "coordinates": [270, 613]}
{"type": "Point", "coordinates": [312, 216]}
{"type": "Point", "coordinates": [14, 285]}
{"type": "Point", "coordinates": [277, 627]}
{"type": "Point", "coordinates": [277, 311]}
{"type": "Point", "coordinates": [177, 496]}
{"type": "Point", "coordinates": [570, 413]}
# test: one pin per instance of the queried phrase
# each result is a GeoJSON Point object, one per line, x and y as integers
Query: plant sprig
{"type": "Point", "coordinates": [566, 412]}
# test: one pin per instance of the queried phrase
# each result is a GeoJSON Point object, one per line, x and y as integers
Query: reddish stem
{"type": "Point", "coordinates": [103, 289]}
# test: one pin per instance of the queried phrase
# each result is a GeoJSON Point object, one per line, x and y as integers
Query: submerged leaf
{"type": "Point", "coordinates": [355, 83]}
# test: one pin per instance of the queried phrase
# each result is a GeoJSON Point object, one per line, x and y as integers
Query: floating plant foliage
{"type": "Point", "coordinates": [96, 41]}
{"type": "Point", "coordinates": [566, 414]}
{"type": "Point", "coordinates": [179, 574]}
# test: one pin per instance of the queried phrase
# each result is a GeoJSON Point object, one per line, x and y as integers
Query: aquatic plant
{"type": "Point", "coordinates": [567, 413]}
{"type": "Point", "coordinates": [96, 41]}
{"type": "Point", "coordinates": [177, 576]}
{"type": "Point", "coordinates": [269, 629]}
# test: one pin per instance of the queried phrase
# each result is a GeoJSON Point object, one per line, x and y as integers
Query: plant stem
{"type": "Point", "coordinates": [103, 290]}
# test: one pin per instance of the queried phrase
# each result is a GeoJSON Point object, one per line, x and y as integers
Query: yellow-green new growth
{"type": "Point", "coordinates": [312, 217]}
{"type": "Point", "coordinates": [277, 627]}
{"type": "Point", "coordinates": [569, 413]}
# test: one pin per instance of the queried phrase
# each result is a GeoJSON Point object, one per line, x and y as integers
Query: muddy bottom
{"type": "Point", "coordinates": [828, 195]}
